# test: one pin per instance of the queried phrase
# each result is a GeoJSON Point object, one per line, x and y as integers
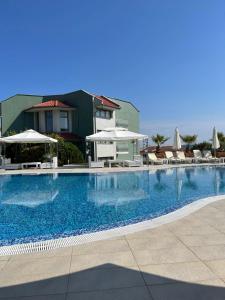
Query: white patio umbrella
{"type": "Point", "coordinates": [29, 136]}
{"type": "Point", "coordinates": [115, 134]}
{"type": "Point", "coordinates": [215, 140]}
{"type": "Point", "coordinates": [177, 141]}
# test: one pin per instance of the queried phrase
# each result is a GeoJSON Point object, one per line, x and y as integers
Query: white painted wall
{"type": "Point", "coordinates": [104, 123]}
{"type": "Point", "coordinates": [105, 150]}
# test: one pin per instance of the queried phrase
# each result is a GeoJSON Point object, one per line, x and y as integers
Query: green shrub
{"type": "Point", "coordinates": [202, 146]}
{"type": "Point", "coordinates": [70, 153]}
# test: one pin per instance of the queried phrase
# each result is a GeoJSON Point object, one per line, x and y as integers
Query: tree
{"type": "Point", "coordinates": [159, 140]}
{"type": "Point", "coordinates": [189, 140]}
{"type": "Point", "coordinates": [221, 138]}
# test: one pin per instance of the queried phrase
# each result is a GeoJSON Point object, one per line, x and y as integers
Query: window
{"type": "Point", "coordinates": [104, 114]}
{"type": "Point", "coordinates": [36, 121]}
{"type": "Point", "coordinates": [48, 121]}
{"type": "Point", "coordinates": [64, 120]}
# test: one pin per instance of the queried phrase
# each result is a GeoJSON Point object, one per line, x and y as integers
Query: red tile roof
{"type": "Point", "coordinates": [52, 103]}
{"type": "Point", "coordinates": [106, 102]}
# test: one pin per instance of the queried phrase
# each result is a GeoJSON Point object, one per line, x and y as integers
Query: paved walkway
{"type": "Point", "coordinates": [183, 260]}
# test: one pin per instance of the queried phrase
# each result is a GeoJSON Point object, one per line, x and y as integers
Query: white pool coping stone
{"type": "Point", "coordinates": [110, 233]}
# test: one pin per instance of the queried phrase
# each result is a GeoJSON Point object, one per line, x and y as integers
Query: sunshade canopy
{"type": "Point", "coordinates": [29, 136]}
{"type": "Point", "coordinates": [116, 134]}
{"type": "Point", "coordinates": [215, 140]}
{"type": "Point", "coordinates": [177, 141]}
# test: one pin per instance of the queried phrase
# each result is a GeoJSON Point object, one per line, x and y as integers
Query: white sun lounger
{"type": "Point", "coordinates": [171, 159]}
{"type": "Point", "coordinates": [95, 164]}
{"type": "Point", "coordinates": [132, 163]}
{"type": "Point", "coordinates": [208, 154]}
{"type": "Point", "coordinates": [153, 159]}
{"type": "Point", "coordinates": [181, 156]}
{"type": "Point", "coordinates": [198, 157]}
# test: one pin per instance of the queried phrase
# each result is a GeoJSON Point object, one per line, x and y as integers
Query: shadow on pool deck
{"type": "Point", "coordinates": [107, 282]}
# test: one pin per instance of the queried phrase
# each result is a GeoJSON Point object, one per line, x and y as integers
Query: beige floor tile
{"type": "Point", "coordinates": [2, 264]}
{"type": "Point", "coordinates": [154, 243]}
{"type": "Point", "coordinates": [5, 257]}
{"type": "Point", "coordinates": [167, 273]}
{"type": "Point", "coordinates": [67, 251]}
{"type": "Point", "coordinates": [137, 293]}
{"type": "Point", "coordinates": [209, 252]}
{"type": "Point", "coordinates": [106, 246]}
{"type": "Point", "coordinates": [101, 279]}
{"type": "Point", "coordinates": [213, 282]}
{"type": "Point", "coordinates": [52, 265]}
{"type": "Point", "coordinates": [30, 285]}
{"type": "Point", "coordinates": [189, 229]}
{"type": "Point", "coordinates": [102, 260]}
{"type": "Point", "coordinates": [160, 232]}
{"type": "Point", "coordinates": [218, 267]}
{"type": "Point", "coordinates": [187, 291]}
{"type": "Point", "coordinates": [206, 239]}
{"type": "Point", "coordinates": [219, 205]}
{"type": "Point", "coordinates": [163, 256]}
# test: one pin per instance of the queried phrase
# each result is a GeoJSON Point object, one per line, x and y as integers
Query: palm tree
{"type": "Point", "coordinates": [189, 140]}
{"type": "Point", "coordinates": [159, 140]}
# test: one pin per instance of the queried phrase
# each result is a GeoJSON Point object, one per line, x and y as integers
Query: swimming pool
{"type": "Point", "coordinates": [41, 207]}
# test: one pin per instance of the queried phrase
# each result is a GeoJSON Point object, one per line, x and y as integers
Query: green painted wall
{"type": "Point", "coordinates": [130, 116]}
{"type": "Point", "coordinates": [13, 115]}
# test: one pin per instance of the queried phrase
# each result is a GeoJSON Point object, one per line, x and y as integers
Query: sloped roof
{"type": "Point", "coordinates": [106, 102]}
{"type": "Point", "coordinates": [51, 103]}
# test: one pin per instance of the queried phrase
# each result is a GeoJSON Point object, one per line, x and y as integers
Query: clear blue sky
{"type": "Point", "coordinates": [167, 56]}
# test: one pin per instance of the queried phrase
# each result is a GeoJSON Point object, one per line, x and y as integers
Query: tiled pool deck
{"type": "Point", "coordinates": [182, 260]}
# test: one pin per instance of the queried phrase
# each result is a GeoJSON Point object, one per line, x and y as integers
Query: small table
{"type": "Point", "coordinates": [30, 164]}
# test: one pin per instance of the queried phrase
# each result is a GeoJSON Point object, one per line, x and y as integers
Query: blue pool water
{"type": "Point", "coordinates": [39, 207]}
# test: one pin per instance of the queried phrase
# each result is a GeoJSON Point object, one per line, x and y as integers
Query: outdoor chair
{"type": "Point", "coordinates": [198, 157]}
{"type": "Point", "coordinates": [208, 154]}
{"type": "Point", "coordinates": [181, 156]}
{"type": "Point", "coordinates": [95, 164]}
{"type": "Point", "coordinates": [153, 159]}
{"type": "Point", "coordinates": [171, 159]}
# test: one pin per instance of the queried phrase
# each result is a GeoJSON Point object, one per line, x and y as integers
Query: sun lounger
{"type": "Point", "coordinates": [95, 164]}
{"type": "Point", "coordinates": [171, 159]}
{"type": "Point", "coordinates": [181, 156]}
{"type": "Point", "coordinates": [198, 157]}
{"type": "Point", "coordinates": [31, 164]}
{"type": "Point", "coordinates": [11, 167]}
{"type": "Point", "coordinates": [208, 154]}
{"type": "Point", "coordinates": [132, 163]}
{"type": "Point", "coordinates": [153, 159]}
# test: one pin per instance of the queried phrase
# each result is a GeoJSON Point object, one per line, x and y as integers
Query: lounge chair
{"type": "Point", "coordinates": [132, 163]}
{"type": "Point", "coordinates": [198, 157]}
{"type": "Point", "coordinates": [153, 159]}
{"type": "Point", "coordinates": [11, 167]}
{"type": "Point", "coordinates": [95, 164]}
{"type": "Point", "coordinates": [170, 157]}
{"type": "Point", "coordinates": [208, 154]}
{"type": "Point", "coordinates": [181, 156]}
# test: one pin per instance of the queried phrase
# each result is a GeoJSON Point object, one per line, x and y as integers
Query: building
{"type": "Point", "coordinates": [74, 116]}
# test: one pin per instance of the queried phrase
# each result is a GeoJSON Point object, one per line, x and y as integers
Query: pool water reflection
{"type": "Point", "coordinates": [41, 207]}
